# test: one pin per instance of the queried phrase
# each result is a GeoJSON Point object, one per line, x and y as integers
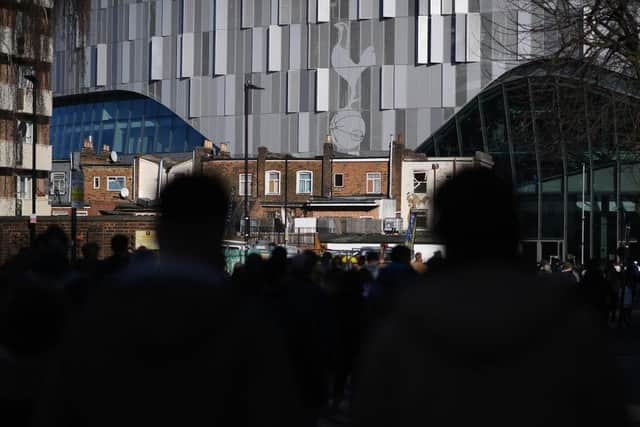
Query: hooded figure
{"type": "Point", "coordinates": [484, 342]}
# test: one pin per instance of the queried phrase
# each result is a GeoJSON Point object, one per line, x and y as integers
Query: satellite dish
{"type": "Point", "coordinates": [124, 191]}
{"type": "Point", "coordinates": [114, 156]}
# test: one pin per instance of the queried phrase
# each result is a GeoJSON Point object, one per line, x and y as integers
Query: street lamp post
{"type": "Point", "coordinates": [32, 220]}
{"type": "Point", "coordinates": [248, 86]}
{"type": "Point", "coordinates": [435, 167]}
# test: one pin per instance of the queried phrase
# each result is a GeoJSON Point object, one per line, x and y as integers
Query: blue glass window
{"type": "Point", "coordinates": [126, 122]}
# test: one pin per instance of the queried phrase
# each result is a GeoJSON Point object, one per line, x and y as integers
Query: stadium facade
{"type": "Point", "coordinates": [358, 70]}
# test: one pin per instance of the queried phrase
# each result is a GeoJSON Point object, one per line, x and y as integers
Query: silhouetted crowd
{"type": "Point", "coordinates": [168, 338]}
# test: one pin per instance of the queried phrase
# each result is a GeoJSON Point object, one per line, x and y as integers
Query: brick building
{"type": "Point", "coordinates": [26, 53]}
{"type": "Point", "coordinates": [283, 188]}
{"type": "Point", "coordinates": [334, 192]}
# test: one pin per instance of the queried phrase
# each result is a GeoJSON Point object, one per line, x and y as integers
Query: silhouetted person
{"type": "Point", "coordinates": [436, 263]}
{"type": "Point", "coordinates": [89, 262]}
{"type": "Point", "coordinates": [171, 344]}
{"type": "Point", "coordinates": [348, 304]}
{"type": "Point", "coordinates": [119, 259]}
{"type": "Point", "coordinates": [486, 342]}
{"type": "Point", "coordinates": [596, 291]}
{"type": "Point", "coordinates": [393, 280]}
{"type": "Point", "coordinates": [32, 319]}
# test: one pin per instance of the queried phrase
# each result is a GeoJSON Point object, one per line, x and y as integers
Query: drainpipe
{"type": "Point", "coordinates": [159, 186]}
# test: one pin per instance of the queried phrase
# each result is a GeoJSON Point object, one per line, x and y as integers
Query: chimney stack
{"type": "Point", "coordinates": [327, 167]}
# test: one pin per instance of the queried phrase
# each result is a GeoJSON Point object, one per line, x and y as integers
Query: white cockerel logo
{"type": "Point", "coordinates": [346, 68]}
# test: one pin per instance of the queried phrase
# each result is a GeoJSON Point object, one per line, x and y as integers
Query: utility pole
{"type": "Point", "coordinates": [248, 86]}
{"type": "Point", "coordinates": [34, 177]}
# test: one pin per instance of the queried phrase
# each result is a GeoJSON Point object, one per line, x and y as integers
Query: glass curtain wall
{"type": "Point", "coordinates": [570, 150]}
{"type": "Point", "coordinates": [127, 123]}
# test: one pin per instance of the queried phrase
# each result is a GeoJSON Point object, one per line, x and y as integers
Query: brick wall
{"type": "Point", "coordinates": [355, 177]}
{"type": "Point", "coordinates": [14, 231]}
{"type": "Point", "coordinates": [230, 170]}
{"type": "Point", "coordinates": [101, 198]}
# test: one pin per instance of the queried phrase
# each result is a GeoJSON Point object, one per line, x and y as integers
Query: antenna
{"type": "Point", "coordinates": [114, 156]}
{"type": "Point", "coordinates": [124, 192]}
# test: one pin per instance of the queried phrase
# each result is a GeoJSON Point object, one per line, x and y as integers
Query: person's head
{"type": "Point", "coordinates": [50, 251]}
{"type": "Point", "coordinates": [418, 256]}
{"type": "Point", "coordinates": [119, 244]}
{"type": "Point", "coordinates": [90, 251]}
{"type": "Point", "coordinates": [192, 218]}
{"type": "Point", "coordinates": [304, 263]}
{"type": "Point", "coordinates": [373, 258]}
{"type": "Point", "coordinates": [475, 216]}
{"type": "Point", "coordinates": [401, 254]}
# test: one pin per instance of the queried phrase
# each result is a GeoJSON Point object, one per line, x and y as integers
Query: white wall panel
{"type": "Point", "coordinates": [229, 95]}
{"type": "Point", "coordinates": [295, 49]}
{"type": "Point", "coordinates": [322, 89]}
{"type": "Point", "coordinates": [259, 49]}
{"type": "Point", "coordinates": [156, 59]}
{"type": "Point", "coordinates": [293, 91]}
{"type": "Point", "coordinates": [525, 22]}
{"type": "Point", "coordinates": [386, 86]}
{"type": "Point", "coordinates": [422, 47]}
{"type": "Point", "coordinates": [448, 85]}
{"type": "Point", "coordinates": [274, 62]}
{"type": "Point", "coordinates": [423, 7]}
{"type": "Point", "coordinates": [447, 7]}
{"type": "Point", "coordinates": [389, 8]}
{"type": "Point", "coordinates": [284, 11]}
{"type": "Point", "coordinates": [275, 11]}
{"type": "Point", "coordinates": [166, 17]}
{"type": "Point", "coordinates": [247, 13]}
{"type": "Point", "coordinates": [437, 39]}
{"type": "Point", "coordinates": [188, 43]}
{"type": "Point", "coordinates": [400, 86]}
{"type": "Point", "coordinates": [101, 65]}
{"type": "Point", "coordinates": [220, 58]}
{"type": "Point", "coordinates": [303, 132]}
{"type": "Point", "coordinates": [435, 7]}
{"type": "Point", "coordinates": [188, 16]}
{"type": "Point", "coordinates": [126, 63]}
{"type": "Point", "coordinates": [133, 20]}
{"type": "Point", "coordinates": [462, 6]}
{"type": "Point", "coordinates": [88, 73]}
{"type": "Point", "coordinates": [324, 11]}
{"type": "Point", "coordinates": [366, 9]}
{"type": "Point", "coordinates": [473, 37]}
{"type": "Point", "coordinates": [312, 11]}
{"type": "Point", "coordinates": [195, 97]}
{"type": "Point", "coordinates": [461, 38]}
{"type": "Point", "coordinates": [222, 14]}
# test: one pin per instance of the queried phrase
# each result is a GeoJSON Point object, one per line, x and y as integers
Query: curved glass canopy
{"type": "Point", "coordinates": [549, 128]}
{"type": "Point", "coordinates": [127, 122]}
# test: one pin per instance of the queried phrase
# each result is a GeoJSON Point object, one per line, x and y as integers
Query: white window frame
{"type": "Point", "coordinates": [63, 188]}
{"type": "Point", "coordinates": [116, 177]}
{"type": "Point", "coordinates": [96, 179]}
{"type": "Point", "coordinates": [241, 184]}
{"type": "Point", "coordinates": [374, 176]}
{"type": "Point", "coordinates": [23, 187]}
{"type": "Point", "coordinates": [334, 180]}
{"type": "Point", "coordinates": [426, 181]}
{"type": "Point", "coordinates": [267, 181]}
{"type": "Point", "coordinates": [298, 186]}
